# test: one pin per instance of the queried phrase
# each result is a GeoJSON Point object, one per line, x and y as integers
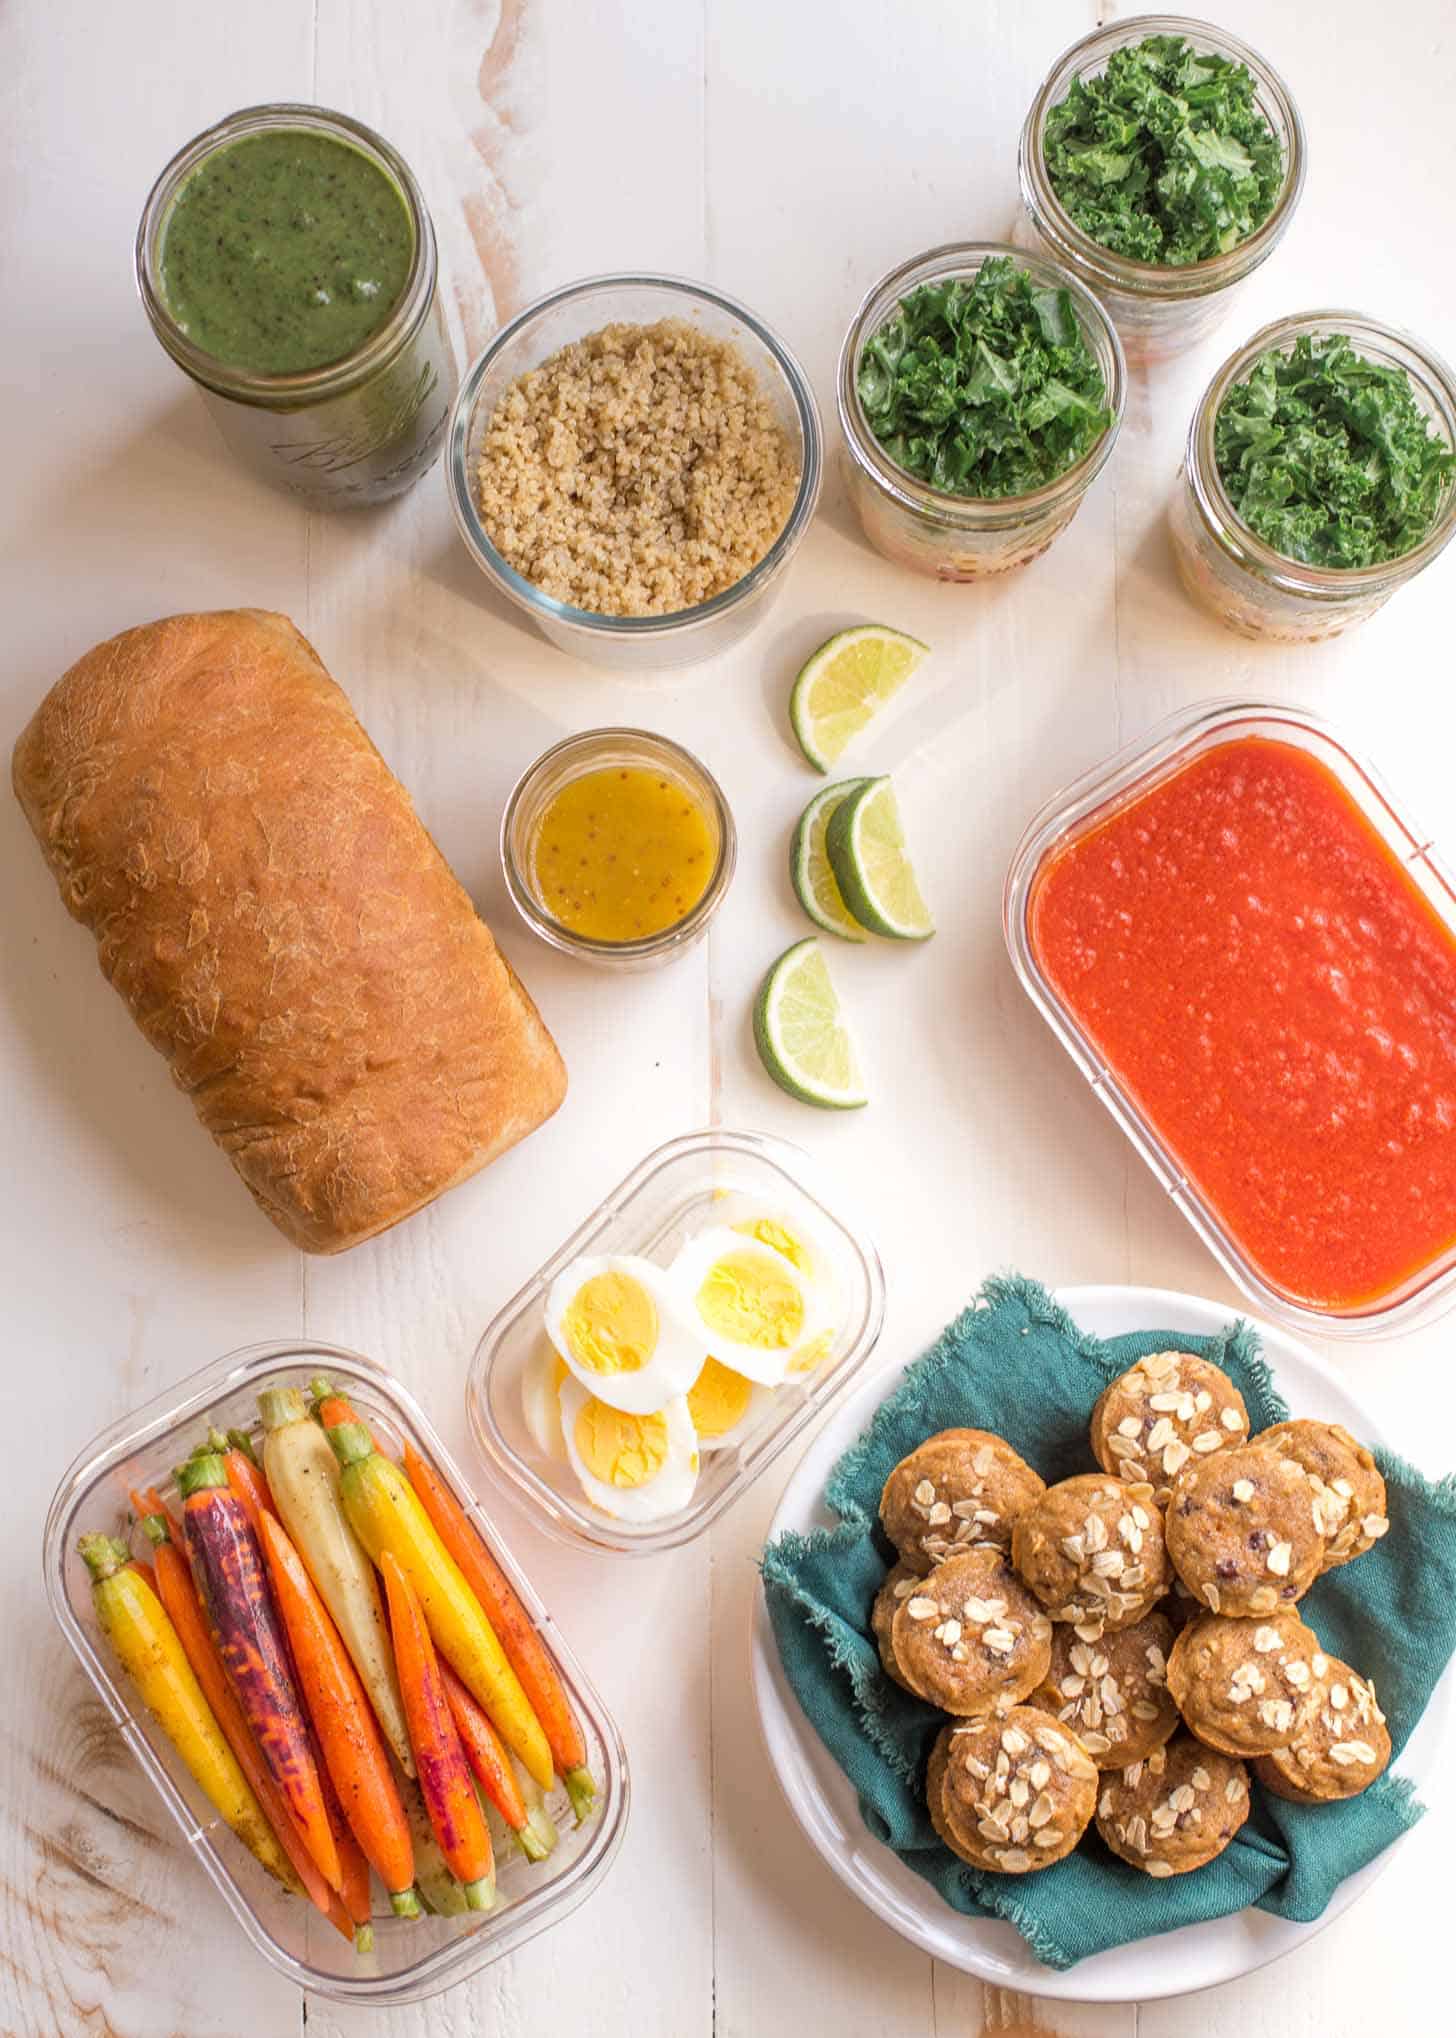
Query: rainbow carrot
{"type": "Point", "coordinates": [243, 1475]}
{"type": "Point", "coordinates": [178, 1594]}
{"type": "Point", "coordinates": [445, 1785]}
{"type": "Point", "coordinates": [486, 1754]}
{"type": "Point", "coordinates": [514, 1628]}
{"type": "Point", "coordinates": [348, 1733]}
{"type": "Point", "coordinates": [228, 1568]}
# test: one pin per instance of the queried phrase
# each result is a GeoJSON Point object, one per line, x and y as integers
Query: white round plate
{"type": "Point", "coordinates": [824, 1802]}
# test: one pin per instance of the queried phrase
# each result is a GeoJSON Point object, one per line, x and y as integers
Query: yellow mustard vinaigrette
{"type": "Point", "coordinates": [623, 853]}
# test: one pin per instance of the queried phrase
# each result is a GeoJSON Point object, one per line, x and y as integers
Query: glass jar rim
{"type": "Point", "coordinates": [681, 933]}
{"type": "Point", "coordinates": [1215, 508]}
{"type": "Point", "coordinates": [1120, 272]}
{"type": "Point", "coordinates": [332, 378]}
{"type": "Point", "coordinates": [981, 512]}
{"type": "Point", "coordinates": [535, 600]}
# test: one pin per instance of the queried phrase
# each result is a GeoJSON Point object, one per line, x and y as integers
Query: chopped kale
{"type": "Point", "coordinates": [1164, 157]}
{"type": "Point", "coordinates": [984, 387]}
{"type": "Point", "coordinates": [1328, 457]}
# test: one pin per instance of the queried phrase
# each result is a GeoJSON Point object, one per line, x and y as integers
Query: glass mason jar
{"type": "Point", "coordinates": [962, 537]}
{"type": "Point", "coordinates": [1234, 574]}
{"type": "Point", "coordinates": [355, 431]}
{"type": "Point", "coordinates": [1158, 311]}
{"type": "Point", "coordinates": [613, 750]}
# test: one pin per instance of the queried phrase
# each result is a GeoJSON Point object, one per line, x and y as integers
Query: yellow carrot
{"type": "Point", "coordinates": [135, 1622]}
{"type": "Point", "coordinates": [385, 1514]}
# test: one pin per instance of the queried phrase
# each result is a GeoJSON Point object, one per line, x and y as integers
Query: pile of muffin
{"type": "Point", "coordinates": [1120, 1646]}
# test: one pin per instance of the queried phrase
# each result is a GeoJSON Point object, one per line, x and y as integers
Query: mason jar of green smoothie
{"type": "Point", "coordinates": [287, 263]}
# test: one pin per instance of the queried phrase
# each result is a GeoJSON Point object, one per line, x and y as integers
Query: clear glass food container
{"type": "Point", "coordinates": [1090, 800]}
{"type": "Point", "coordinates": [1237, 577]}
{"type": "Point", "coordinates": [612, 749]}
{"type": "Point", "coordinates": [359, 430]}
{"type": "Point", "coordinates": [634, 643]}
{"type": "Point", "coordinates": [665, 1200]}
{"type": "Point", "coordinates": [1159, 311]}
{"type": "Point", "coordinates": [411, 1959]}
{"type": "Point", "coordinates": [958, 537]}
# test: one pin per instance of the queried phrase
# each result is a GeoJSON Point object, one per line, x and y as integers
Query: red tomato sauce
{"type": "Point", "coordinates": [1278, 996]}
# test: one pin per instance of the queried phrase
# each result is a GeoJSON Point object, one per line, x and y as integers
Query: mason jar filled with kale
{"type": "Point", "coordinates": [1319, 476]}
{"type": "Point", "coordinates": [1161, 162]}
{"type": "Point", "coordinates": [980, 393]}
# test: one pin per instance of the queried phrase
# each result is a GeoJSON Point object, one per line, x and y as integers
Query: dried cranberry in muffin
{"type": "Point", "coordinates": [1246, 1686]}
{"type": "Point", "coordinates": [1159, 1415]}
{"type": "Point", "coordinates": [1242, 1531]}
{"type": "Point", "coordinates": [1091, 1549]}
{"type": "Point", "coordinates": [1341, 1748]}
{"type": "Point", "coordinates": [960, 1489]}
{"type": "Point", "coordinates": [1113, 1693]}
{"type": "Point", "coordinates": [1349, 1491]}
{"type": "Point", "coordinates": [1177, 1810]}
{"type": "Point", "coordinates": [972, 1637]}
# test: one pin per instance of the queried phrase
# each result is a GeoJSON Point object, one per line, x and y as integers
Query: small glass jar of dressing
{"type": "Point", "coordinates": [318, 342]}
{"type": "Point", "coordinates": [618, 847]}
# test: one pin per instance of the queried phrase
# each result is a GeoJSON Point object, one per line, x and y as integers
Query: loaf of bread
{"type": "Point", "coordinates": [280, 924]}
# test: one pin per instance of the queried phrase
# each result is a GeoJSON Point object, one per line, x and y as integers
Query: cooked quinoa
{"type": "Point", "coordinates": [638, 471]}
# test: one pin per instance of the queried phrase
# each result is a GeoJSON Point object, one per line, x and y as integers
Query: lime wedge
{"type": "Point", "coordinates": [815, 885]}
{"type": "Point", "coordinates": [866, 847]}
{"type": "Point", "coordinates": [844, 686]}
{"type": "Point", "coordinates": [801, 1037]}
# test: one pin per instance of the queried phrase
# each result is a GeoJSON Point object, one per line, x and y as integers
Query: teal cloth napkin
{"type": "Point", "coordinates": [1015, 1363]}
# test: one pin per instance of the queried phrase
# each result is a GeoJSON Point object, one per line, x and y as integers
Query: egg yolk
{"type": "Point", "coordinates": [813, 1355]}
{"type": "Point", "coordinates": [751, 1303]}
{"type": "Point", "coordinates": [772, 1234]}
{"type": "Point", "coordinates": [610, 1324]}
{"type": "Point", "coordinates": [619, 1449]}
{"type": "Point", "coordinates": [718, 1399]}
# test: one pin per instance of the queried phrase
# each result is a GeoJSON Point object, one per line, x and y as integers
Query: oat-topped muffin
{"type": "Point", "coordinates": [1242, 1532]}
{"type": "Point", "coordinates": [1340, 1749]}
{"type": "Point", "coordinates": [1091, 1549]}
{"type": "Point", "coordinates": [959, 1489]}
{"type": "Point", "coordinates": [1349, 1491]}
{"type": "Point", "coordinates": [1176, 1811]}
{"type": "Point", "coordinates": [1112, 1693]}
{"type": "Point", "coordinates": [1165, 1411]}
{"type": "Point", "coordinates": [972, 1636]}
{"type": "Point", "coordinates": [1246, 1686]}
{"type": "Point", "coordinates": [900, 1582]}
{"type": "Point", "coordinates": [1012, 1793]}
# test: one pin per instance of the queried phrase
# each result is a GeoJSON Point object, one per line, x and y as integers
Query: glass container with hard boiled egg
{"type": "Point", "coordinates": [709, 1308]}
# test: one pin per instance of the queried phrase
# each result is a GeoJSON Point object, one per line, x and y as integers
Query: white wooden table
{"type": "Point", "coordinates": [790, 151]}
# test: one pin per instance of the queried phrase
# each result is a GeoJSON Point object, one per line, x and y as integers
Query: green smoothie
{"type": "Point", "coordinates": [285, 251]}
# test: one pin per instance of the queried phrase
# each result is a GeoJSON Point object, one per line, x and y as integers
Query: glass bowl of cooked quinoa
{"type": "Point", "coordinates": [633, 460]}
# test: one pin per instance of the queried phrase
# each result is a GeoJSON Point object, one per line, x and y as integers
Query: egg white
{"type": "Point", "coordinates": [676, 1360]}
{"type": "Point", "coordinates": [540, 1404]}
{"type": "Point", "coordinates": [737, 1210]}
{"type": "Point", "coordinates": [666, 1494]}
{"type": "Point", "coordinates": [765, 1364]}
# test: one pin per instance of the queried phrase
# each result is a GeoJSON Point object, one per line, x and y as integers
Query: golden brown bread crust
{"type": "Point", "coordinates": [280, 924]}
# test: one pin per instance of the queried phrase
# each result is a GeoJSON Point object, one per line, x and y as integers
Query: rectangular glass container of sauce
{"type": "Point", "coordinates": [1250, 952]}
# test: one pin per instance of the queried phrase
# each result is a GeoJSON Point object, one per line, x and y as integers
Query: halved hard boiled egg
{"type": "Point", "coordinates": [747, 1302]}
{"type": "Point", "coordinates": [633, 1467]}
{"type": "Point", "coordinates": [621, 1327]}
{"type": "Point", "coordinates": [799, 1238]}
{"type": "Point", "coordinates": [541, 1398]}
{"type": "Point", "coordinates": [724, 1405]}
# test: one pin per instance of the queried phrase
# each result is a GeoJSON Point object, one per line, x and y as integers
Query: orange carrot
{"type": "Point", "coordinates": [353, 1865]}
{"type": "Point", "coordinates": [244, 1477]}
{"type": "Point", "coordinates": [445, 1785]}
{"type": "Point", "coordinates": [178, 1594]}
{"type": "Point", "coordinates": [514, 1627]}
{"type": "Point", "coordinates": [486, 1754]}
{"type": "Point", "coordinates": [343, 1721]}
{"type": "Point", "coordinates": [227, 1566]}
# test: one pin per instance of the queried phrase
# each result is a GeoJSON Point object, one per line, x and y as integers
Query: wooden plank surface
{"type": "Point", "coordinates": [789, 153]}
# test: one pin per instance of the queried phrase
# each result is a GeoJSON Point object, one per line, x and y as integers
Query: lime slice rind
{"type": "Point", "coordinates": [865, 843]}
{"type": "Point", "coordinates": [800, 1034]}
{"type": "Point", "coordinates": [810, 871]}
{"type": "Point", "coordinates": [844, 686]}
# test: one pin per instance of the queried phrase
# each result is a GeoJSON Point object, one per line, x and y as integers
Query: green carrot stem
{"type": "Point", "coordinates": [582, 1790]}
{"type": "Point", "coordinates": [204, 1470]}
{"type": "Point", "coordinates": [279, 1406]}
{"type": "Point", "coordinates": [103, 1555]}
{"type": "Point", "coordinates": [154, 1528]}
{"type": "Point", "coordinates": [480, 1895]}
{"type": "Point", "coordinates": [364, 1939]}
{"type": "Point", "coordinates": [351, 1441]}
{"type": "Point", "coordinates": [241, 1441]}
{"type": "Point", "coordinates": [405, 1903]}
